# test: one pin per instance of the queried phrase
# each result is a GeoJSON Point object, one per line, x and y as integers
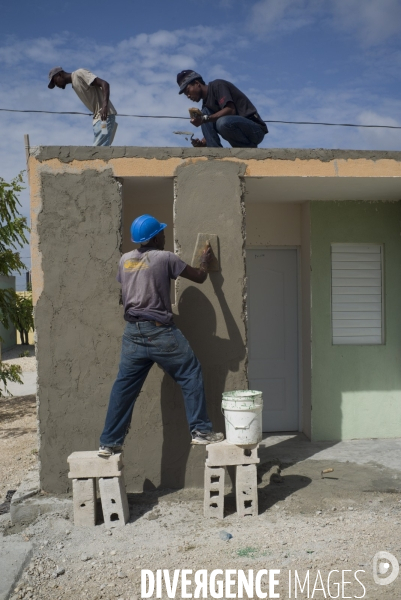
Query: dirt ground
{"type": "Point", "coordinates": [18, 440]}
{"type": "Point", "coordinates": [305, 523]}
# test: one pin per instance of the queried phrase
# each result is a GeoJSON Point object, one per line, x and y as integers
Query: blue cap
{"type": "Point", "coordinates": [145, 227]}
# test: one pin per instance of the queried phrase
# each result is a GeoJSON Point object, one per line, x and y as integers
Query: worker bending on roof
{"type": "Point", "coordinates": [227, 112]}
{"type": "Point", "coordinates": [150, 335]}
{"type": "Point", "coordinates": [95, 94]}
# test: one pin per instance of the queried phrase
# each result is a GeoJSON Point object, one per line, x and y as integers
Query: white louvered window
{"type": "Point", "coordinates": [356, 293]}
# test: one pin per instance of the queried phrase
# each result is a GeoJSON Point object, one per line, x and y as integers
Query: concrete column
{"type": "Point", "coordinates": [209, 199]}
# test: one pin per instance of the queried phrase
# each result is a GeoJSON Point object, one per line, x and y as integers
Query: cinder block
{"type": "Point", "coordinates": [246, 490]}
{"type": "Point", "coordinates": [224, 453]}
{"type": "Point", "coordinates": [88, 464]}
{"type": "Point", "coordinates": [114, 501]}
{"type": "Point", "coordinates": [214, 492]}
{"type": "Point", "coordinates": [84, 500]}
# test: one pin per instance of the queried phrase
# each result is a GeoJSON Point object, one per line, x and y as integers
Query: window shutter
{"type": "Point", "coordinates": [356, 288]}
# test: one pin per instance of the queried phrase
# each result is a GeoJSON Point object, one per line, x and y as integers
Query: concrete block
{"type": "Point", "coordinates": [14, 557]}
{"type": "Point", "coordinates": [114, 501]}
{"type": "Point", "coordinates": [84, 499]}
{"type": "Point", "coordinates": [84, 465]}
{"type": "Point", "coordinates": [224, 454]}
{"type": "Point", "coordinates": [214, 492]}
{"type": "Point", "coordinates": [246, 490]}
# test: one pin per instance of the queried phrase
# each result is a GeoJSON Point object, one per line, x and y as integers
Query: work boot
{"type": "Point", "coordinates": [108, 450]}
{"type": "Point", "coordinates": [206, 437]}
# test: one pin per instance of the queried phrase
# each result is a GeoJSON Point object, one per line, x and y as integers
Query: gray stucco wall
{"type": "Point", "coordinates": [78, 318]}
{"type": "Point", "coordinates": [79, 322]}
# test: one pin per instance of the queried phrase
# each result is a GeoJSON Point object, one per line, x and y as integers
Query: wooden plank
{"type": "Point", "coordinates": [368, 264]}
{"type": "Point", "coordinates": [357, 306]}
{"type": "Point", "coordinates": [356, 248]}
{"type": "Point", "coordinates": [357, 273]}
{"type": "Point", "coordinates": [354, 315]}
{"type": "Point", "coordinates": [345, 281]}
{"type": "Point", "coordinates": [357, 289]}
{"type": "Point", "coordinates": [357, 331]}
{"type": "Point", "coordinates": [356, 298]}
{"type": "Point", "coordinates": [359, 323]}
{"type": "Point", "coordinates": [357, 341]}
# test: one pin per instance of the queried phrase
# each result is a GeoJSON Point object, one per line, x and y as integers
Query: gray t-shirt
{"type": "Point", "coordinates": [145, 281]}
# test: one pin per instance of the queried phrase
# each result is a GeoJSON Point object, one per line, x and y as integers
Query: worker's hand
{"type": "Point", "coordinates": [103, 114]}
{"type": "Point", "coordinates": [197, 122]}
{"type": "Point", "coordinates": [198, 143]}
{"type": "Point", "coordinates": [206, 256]}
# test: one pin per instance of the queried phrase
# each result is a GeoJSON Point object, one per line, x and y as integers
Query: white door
{"type": "Point", "coordinates": [273, 335]}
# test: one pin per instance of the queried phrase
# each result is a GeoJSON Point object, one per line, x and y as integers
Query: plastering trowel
{"type": "Point", "coordinates": [188, 134]}
{"type": "Point", "coordinates": [203, 241]}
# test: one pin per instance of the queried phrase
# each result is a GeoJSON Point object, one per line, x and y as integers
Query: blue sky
{"type": "Point", "coordinates": [315, 60]}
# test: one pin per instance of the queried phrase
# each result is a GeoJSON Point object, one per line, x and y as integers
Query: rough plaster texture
{"type": "Point", "coordinates": [157, 452]}
{"type": "Point", "coordinates": [79, 322]}
{"type": "Point", "coordinates": [77, 316]}
{"type": "Point", "coordinates": [209, 197]}
{"type": "Point", "coordinates": [70, 153]}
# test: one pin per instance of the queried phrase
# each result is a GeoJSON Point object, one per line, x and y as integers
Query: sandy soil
{"type": "Point", "coordinates": [12, 357]}
{"type": "Point", "coordinates": [18, 440]}
{"type": "Point", "coordinates": [305, 523]}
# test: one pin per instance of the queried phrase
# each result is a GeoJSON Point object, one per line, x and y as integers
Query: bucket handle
{"type": "Point", "coordinates": [236, 426]}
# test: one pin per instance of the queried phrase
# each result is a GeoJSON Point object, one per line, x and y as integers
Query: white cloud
{"type": "Point", "coordinates": [373, 21]}
{"type": "Point", "coordinates": [277, 16]}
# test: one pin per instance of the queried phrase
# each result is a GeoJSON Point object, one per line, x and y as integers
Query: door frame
{"type": "Point", "coordinates": [299, 328]}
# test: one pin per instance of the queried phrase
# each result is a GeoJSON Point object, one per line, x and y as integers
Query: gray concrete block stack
{"type": "Point", "coordinates": [85, 469]}
{"type": "Point", "coordinates": [245, 459]}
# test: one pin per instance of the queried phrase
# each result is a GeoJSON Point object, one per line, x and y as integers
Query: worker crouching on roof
{"type": "Point", "coordinates": [227, 112]}
{"type": "Point", "coordinates": [150, 335]}
{"type": "Point", "coordinates": [95, 94]}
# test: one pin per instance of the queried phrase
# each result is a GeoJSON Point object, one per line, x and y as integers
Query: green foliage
{"type": "Point", "coordinates": [13, 230]}
{"type": "Point", "coordinates": [21, 315]}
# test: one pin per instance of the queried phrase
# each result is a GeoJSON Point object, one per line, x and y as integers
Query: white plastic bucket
{"type": "Point", "coordinates": [242, 411]}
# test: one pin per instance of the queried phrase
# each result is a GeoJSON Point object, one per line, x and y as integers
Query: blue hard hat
{"type": "Point", "coordinates": [144, 228]}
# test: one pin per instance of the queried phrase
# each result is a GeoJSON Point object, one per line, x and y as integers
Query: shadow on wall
{"type": "Point", "coordinates": [218, 356]}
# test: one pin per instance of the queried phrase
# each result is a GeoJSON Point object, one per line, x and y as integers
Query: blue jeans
{"type": "Point", "coordinates": [100, 138]}
{"type": "Point", "coordinates": [143, 345]}
{"type": "Point", "coordinates": [239, 132]}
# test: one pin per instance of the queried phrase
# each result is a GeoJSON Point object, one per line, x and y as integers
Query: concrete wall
{"type": "Point", "coordinates": [77, 316]}
{"type": "Point", "coordinates": [272, 224]}
{"type": "Point", "coordinates": [356, 390]}
{"type": "Point", "coordinates": [79, 322]}
{"type": "Point", "coordinates": [305, 325]}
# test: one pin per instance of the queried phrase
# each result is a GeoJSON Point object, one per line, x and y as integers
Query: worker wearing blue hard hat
{"type": "Point", "coordinates": [151, 336]}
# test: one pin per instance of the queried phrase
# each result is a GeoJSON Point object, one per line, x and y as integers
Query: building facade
{"type": "Point", "coordinates": [305, 307]}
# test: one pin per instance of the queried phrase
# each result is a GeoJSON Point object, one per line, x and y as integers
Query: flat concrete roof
{"type": "Point", "coordinates": [70, 153]}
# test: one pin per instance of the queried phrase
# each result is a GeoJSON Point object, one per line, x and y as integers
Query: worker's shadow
{"type": "Point", "coordinates": [220, 358]}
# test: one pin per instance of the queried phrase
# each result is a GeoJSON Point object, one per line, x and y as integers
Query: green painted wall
{"type": "Point", "coordinates": [356, 390]}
